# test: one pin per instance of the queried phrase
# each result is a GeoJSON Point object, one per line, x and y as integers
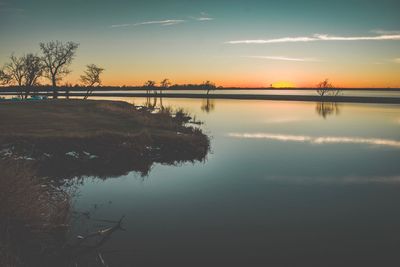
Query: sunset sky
{"type": "Point", "coordinates": [355, 43]}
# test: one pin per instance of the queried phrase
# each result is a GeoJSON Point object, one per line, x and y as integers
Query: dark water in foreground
{"type": "Point", "coordinates": [286, 184]}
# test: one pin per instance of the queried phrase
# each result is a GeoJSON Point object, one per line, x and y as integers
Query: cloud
{"type": "Point", "coordinates": [167, 22]}
{"type": "Point", "coordinates": [120, 25]}
{"type": "Point", "coordinates": [318, 140]}
{"type": "Point", "coordinates": [385, 32]}
{"type": "Point", "coordinates": [204, 19]}
{"type": "Point", "coordinates": [397, 60]}
{"type": "Point", "coordinates": [282, 58]}
{"type": "Point", "coordinates": [318, 37]}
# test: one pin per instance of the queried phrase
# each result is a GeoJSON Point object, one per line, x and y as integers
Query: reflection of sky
{"type": "Point", "coordinates": [252, 196]}
{"type": "Point", "coordinates": [318, 140]}
{"type": "Point", "coordinates": [345, 180]}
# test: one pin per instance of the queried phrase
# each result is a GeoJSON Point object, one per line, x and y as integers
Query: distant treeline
{"type": "Point", "coordinates": [77, 87]}
{"type": "Point", "coordinates": [177, 87]}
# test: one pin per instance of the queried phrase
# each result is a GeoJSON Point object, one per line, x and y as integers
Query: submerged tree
{"type": "Point", "coordinates": [57, 56]}
{"type": "Point", "coordinates": [150, 85]}
{"type": "Point", "coordinates": [208, 86]}
{"type": "Point", "coordinates": [325, 88]}
{"type": "Point", "coordinates": [164, 85]}
{"type": "Point", "coordinates": [91, 78]}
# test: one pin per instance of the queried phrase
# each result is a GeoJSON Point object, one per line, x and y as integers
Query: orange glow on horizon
{"type": "Point", "coordinates": [283, 84]}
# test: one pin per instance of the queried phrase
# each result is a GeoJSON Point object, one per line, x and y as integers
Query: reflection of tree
{"type": "Point", "coordinates": [325, 109]}
{"type": "Point", "coordinates": [208, 105]}
{"type": "Point", "coordinates": [152, 103]}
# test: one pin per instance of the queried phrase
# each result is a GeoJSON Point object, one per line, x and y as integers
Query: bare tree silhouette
{"type": "Point", "coordinates": [22, 71]}
{"type": "Point", "coordinates": [91, 78]}
{"type": "Point", "coordinates": [164, 84]}
{"type": "Point", "coordinates": [14, 70]}
{"type": "Point", "coordinates": [4, 78]}
{"type": "Point", "coordinates": [325, 88]}
{"type": "Point", "coordinates": [33, 70]}
{"type": "Point", "coordinates": [150, 85]}
{"type": "Point", "coordinates": [208, 86]}
{"type": "Point", "coordinates": [57, 56]}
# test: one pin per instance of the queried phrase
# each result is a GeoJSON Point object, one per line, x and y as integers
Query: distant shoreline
{"type": "Point", "coordinates": [9, 89]}
{"type": "Point", "coordinates": [305, 98]}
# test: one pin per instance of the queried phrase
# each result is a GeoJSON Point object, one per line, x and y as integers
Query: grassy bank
{"type": "Point", "coordinates": [101, 138]}
{"type": "Point", "coordinates": [45, 142]}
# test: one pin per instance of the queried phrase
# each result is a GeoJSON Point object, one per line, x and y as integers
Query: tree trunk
{"type": "Point", "coordinates": [55, 92]}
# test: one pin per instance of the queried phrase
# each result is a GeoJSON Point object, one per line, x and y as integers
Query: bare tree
{"type": "Point", "coordinates": [22, 71]}
{"type": "Point", "coordinates": [91, 78]}
{"type": "Point", "coordinates": [33, 69]}
{"type": "Point", "coordinates": [14, 70]}
{"type": "Point", "coordinates": [149, 85]}
{"type": "Point", "coordinates": [164, 85]}
{"type": "Point", "coordinates": [208, 86]}
{"type": "Point", "coordinates": [57, 56]}
{"type": "Point", "coordinates": [4, 78]}
{"type": "Point", "coordinates": [325, 88]}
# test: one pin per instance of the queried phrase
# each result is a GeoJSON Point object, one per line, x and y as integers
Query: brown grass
{"type": "Point", "coordinates": [123, 138]}
{"type": "Point", "coordinates": [28, 206]}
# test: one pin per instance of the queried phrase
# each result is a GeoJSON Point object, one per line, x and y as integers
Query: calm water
{"type": "Point", "coordinates": [286, 184]}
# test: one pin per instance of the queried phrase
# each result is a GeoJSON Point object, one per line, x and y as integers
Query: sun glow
{"type": "Point", "coordinates": [283, 84]}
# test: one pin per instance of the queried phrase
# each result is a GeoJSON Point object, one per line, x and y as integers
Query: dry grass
{"type": "Point", "coordinates": [28, 207]}
{"type": "Point", "coordinates": [123, 138]}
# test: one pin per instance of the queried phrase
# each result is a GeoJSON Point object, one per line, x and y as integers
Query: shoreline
{"type": "Point", "coordinates": [12, 89]}
{"type": "Point", "coordinates": [96, 138]}
{"type": "Point", "coordinates": [303, 98]}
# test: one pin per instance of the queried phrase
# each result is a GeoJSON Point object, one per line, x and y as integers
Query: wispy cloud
{"type": "Point", "coordinates": [397, 60]}
{"type": "Point", "coordinates": [384, 32]}
{"type": "Point", "coordinates": [283, 58]}
{"type": "Point", "coordinates": [167, 22]}
{"type": "Point", "coordinates": [203, 17]}
{"type": "Point", "coordinates": [318, 140]}
{"type": "Point", "coordinates": [120, 25]}
{"type": "Point", "coordinates": [318, 37]}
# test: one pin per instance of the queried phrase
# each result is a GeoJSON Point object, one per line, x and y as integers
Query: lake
{"type": "Point", "coordinates": [285, 184]}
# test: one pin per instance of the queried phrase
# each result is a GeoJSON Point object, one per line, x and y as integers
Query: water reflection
{"type": "Point", "coordinates": [208, 105]}
{"type": "Point", "coordinates": [325, 109]}
{"type": "Point", "coordinates": [330, 180]}
{"type": "Point", "coordinates": [318, 140]}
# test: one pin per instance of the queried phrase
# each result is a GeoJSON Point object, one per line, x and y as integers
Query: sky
{"type": "Point", "coordinates": [354, 43]}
